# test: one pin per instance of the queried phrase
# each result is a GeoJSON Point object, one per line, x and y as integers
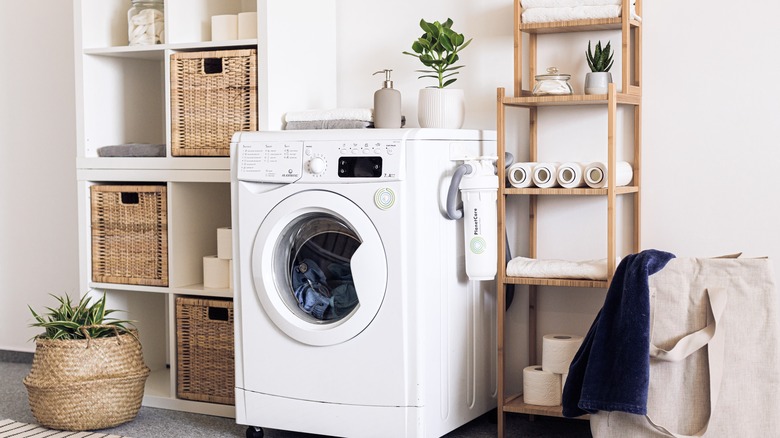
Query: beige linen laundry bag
{"type": "Point", "coordinates": [715, 355]}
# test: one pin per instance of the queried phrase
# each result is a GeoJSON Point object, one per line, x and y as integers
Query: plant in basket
{"type": "Point", "coordinates": [88, 370]}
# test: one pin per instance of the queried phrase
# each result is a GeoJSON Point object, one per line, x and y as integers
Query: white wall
{"type": "Point", "coordinates": [38, 244]}
{"type": "Point", "coordinates": [710, 127]}
{"type": "Point", "coordinates": [710, 133]}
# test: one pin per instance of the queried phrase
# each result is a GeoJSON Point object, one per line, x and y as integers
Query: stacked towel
{"type": "Point", "coordinates": [338, 118]}
{"type": "Point", "coordinates": [549, 268]}
{"type": "Point", "coordinates": [547, 11]}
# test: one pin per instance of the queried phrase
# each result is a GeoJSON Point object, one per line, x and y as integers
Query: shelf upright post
{"type": "Point", "coordinates": [611, 180]}
{"type": "Point", "coordinates": [501, 276]}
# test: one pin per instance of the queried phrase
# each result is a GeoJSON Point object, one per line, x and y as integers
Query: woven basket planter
{"type": "Point", "coordinates": [86, 384]}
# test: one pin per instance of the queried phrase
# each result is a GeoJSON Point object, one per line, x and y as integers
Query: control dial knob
{"type": "Point", "coordinates": [317, 165]}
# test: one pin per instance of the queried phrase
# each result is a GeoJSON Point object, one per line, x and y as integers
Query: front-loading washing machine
{"type": "Point", "coordinates": [353, 313]}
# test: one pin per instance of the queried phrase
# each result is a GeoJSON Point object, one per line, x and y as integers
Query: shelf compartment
{"type": "Point", "coordinates": [529, 100]}
{"type": "Point", "coordinates": [570, 192]}
{"type": "Point", "coordinates": [516, 404]}
{"type": "Point", "coordinates": [563, 282]}
{"type": "Point", "coordinates": [577, 25]}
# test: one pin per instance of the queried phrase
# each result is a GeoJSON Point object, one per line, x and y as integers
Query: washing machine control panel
{"type": "Point", "coordinates": [320, 161]}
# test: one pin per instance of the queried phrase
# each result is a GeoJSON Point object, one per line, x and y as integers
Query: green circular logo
{"type": "Point", "coordinates": [477, 245]}
{"type": "Point", "coordinates": [384, 198]}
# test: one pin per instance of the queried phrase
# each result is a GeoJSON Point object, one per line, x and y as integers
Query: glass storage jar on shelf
{"type": "Point", "coordinates": [146, 23]}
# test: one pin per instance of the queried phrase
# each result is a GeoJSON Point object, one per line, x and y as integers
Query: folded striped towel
{"type": "Point", "coordinates": [362, 114]}
{"type": "Point", "coordinates": [550, 15]}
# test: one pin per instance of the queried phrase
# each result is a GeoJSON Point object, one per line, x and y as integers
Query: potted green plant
{"type": "Point", "coordinates": [88, 370]}
{"type": "Point", "coordinates": [438, 50]}
{"type": "Point", "coordinates": [599, 61]}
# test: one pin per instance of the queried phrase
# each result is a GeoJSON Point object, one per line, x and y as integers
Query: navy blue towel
{"type": "Point", "coordinates": [611, 370]}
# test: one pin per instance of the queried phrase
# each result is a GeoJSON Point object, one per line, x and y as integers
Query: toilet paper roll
{"type": "Point", "coordinates": [225, 243]}
{"type": "Point", "coordinates": [216, 272]}
{"type": "Point", "coordinates": [520, 175]}
{"type": "Point", "coordinates": [571, 175]}
{"type": "Point", "coordinates": [247, 25]}
{"type": "Point", "coordinates": [540, 387]}
{"type": "Point", "coordinates": [545, 175]}
{"type": "Point", "coordinates": [557, 352]}
{"type": "Point", "coordinates": [224, 27]}
{"type": "Point", "coordinates": [596, 174]}
{"type": "Point", "coordinates": [563, 381]}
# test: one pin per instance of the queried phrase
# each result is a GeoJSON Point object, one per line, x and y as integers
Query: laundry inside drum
{"type": "Point", "coordinates": [319, 266]}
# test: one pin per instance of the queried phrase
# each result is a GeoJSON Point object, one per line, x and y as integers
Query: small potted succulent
{"type": "Point", "coordinates": [88, 370]}
{"type": "Point", "coordinates": [438, 50]}
{"type": "Point", "coordinates": [599, 61]}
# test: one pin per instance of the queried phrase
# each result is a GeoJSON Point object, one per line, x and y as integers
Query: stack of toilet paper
{"type": "Point", "coordinates": [543, 384]}
{"type": "Point", "coordinates": [228, 27]}
{"type": "Point", "coordinates": [218, 269]}
{"type": "Point", "coordinates": [568, 175]}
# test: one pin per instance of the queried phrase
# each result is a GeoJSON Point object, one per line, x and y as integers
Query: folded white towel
{"type": "Point", "coordinates": [363, 114]}
{"type": "Point", "coordinates": [549, 15]}
{"type": "Point", "coordinates": [551, 268]}
{"type": "Point", "coordinates": [568, 3]}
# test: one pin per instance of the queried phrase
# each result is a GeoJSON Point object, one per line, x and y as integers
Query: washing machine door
{"type": "Point", "coordinates": [319, 268]}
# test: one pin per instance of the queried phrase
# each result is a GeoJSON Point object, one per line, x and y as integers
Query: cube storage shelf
{"type": "Point", "coordinates": [629, 97]}
{"type": "Point", "coordinates": [124, 95]}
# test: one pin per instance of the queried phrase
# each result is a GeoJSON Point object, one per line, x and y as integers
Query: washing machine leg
{"type": "Point", "coordinates": [254, 432]}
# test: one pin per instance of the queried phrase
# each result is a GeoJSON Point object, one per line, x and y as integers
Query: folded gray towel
{"type": "Point", "coordinates": [329, 124]}
{"type": "Point", "coordinates": [132, 150]}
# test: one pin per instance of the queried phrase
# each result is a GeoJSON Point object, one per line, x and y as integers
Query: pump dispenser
{"type": "Point", "coordinates": [387, 104]}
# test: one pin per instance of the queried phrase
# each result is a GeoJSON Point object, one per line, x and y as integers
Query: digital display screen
{"type": "Point", "coordinates": [360, 167]}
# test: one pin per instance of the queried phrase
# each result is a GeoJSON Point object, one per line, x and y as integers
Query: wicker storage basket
{"type": "Point", "coordinates": [130, 234]}
{"type": "Point", "coordinates": [204, 347]}
{"type": "Point", "coordinates": [86, 384]}
{"type": "Point", "coordinates": [213, 95]}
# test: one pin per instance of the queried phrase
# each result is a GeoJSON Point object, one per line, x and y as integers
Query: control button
{"type": "Point", "coordinates": [366, 151]}
{"type": "Point", "coordinates": [390, 151]}
{"type": "Point", "coordinates": [343, 150]}
{"type": "Point", "coordinates": [317, 165]}
{"type": "Point", "coordinates": [377, 151]}
{"type": "Point", "coordinates": [308, 152]}
{"type": "Point", "coordinates": [384, 198]}
{"type": "Point", "coordinates": [355, 151]}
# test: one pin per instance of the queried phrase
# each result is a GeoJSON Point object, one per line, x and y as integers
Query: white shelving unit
{"type": "Point", "coordinates": [123, 96]}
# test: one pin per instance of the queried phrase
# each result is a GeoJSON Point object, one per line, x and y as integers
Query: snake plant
{"type": "Point", "coordinates": [69, 321]}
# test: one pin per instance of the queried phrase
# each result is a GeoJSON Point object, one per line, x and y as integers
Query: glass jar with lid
{"type": "Point", "coordinates": [553, 83]}
{"type": "Point", "coordinates": [146, 23]}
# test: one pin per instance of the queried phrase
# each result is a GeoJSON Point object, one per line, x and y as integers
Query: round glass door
{"type": "Point", "coordinates": [319, 268]}
{"type": "Point", "coordinates": [319, 273]}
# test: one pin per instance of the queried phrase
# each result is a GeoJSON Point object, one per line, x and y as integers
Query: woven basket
{"type": "Point", "coordinates": [213, 95]}
{"type": "Point", "coordinates": [86, 384]}
{"type": "Point", "coordinates": [130, 234]}
{"type": "Point", "coordinates": [204, 347]}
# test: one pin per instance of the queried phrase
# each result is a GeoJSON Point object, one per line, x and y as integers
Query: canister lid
{"type": "Point", "coordinates": [552, 74]}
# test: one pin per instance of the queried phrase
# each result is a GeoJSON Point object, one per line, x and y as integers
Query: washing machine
{"type": "Point", "coordinates": [353, 312]}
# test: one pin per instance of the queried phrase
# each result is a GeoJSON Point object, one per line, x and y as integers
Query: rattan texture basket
{"type": "Point", "coordinates": [204, 347]}
{"type": "Point", "coordinates": [130, 234]}
{"type": "Point", "coordinates": [86, 384]}
{"type": "Point", "coordinates": [213, 95]}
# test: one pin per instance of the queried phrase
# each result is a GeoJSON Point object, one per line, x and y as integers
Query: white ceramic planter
{"type": "Point", "coordinates": [441, 108]}
{"type": "Point", "coordinates": [597, 82]}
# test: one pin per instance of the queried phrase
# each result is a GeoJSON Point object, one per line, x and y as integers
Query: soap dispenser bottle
{"type": "Point", "coordinates": [387, 104]}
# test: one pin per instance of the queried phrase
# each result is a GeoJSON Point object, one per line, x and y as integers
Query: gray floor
{"type": "Point", "coordinates": [162, 423]}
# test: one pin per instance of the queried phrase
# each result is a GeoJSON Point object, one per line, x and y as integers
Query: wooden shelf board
{"type": "Point", "coordinates": [572, 192]}
{"type": "Point", "coordinates": [529, 100]}
{"type": "Point", "coordinates": [577, 25]}
{"type": "Point", "coordinates": [517, 405]}
{"type": "Point", "coordinates": [564, 282]}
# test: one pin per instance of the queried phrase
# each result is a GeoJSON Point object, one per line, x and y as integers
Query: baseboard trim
{"type": "Point", "coordinates": [15, 356]}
